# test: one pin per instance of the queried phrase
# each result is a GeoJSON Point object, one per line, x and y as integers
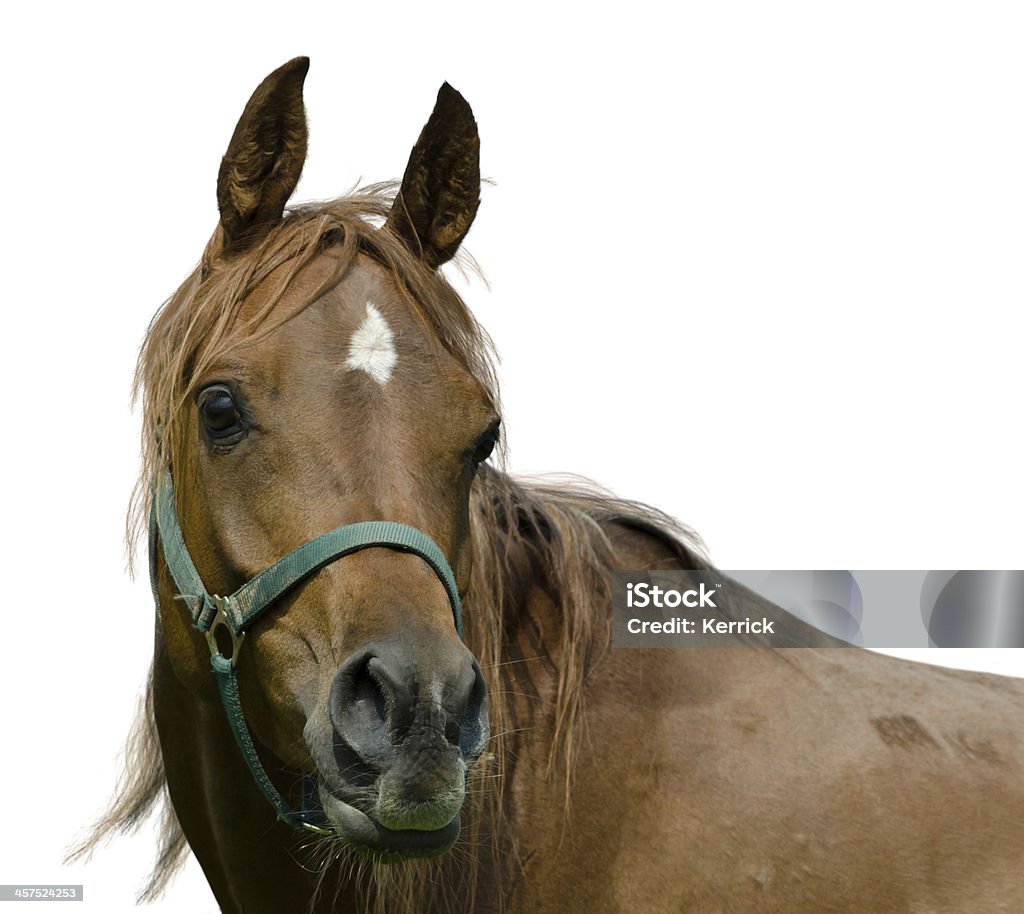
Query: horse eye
{"type": "Point", "coordinates": [485, 446]}
{"type": "Point", "coordinates": [219, 413]}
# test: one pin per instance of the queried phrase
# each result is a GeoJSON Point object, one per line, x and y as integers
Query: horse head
{"type": "Point", "coordinates": [318, 372]}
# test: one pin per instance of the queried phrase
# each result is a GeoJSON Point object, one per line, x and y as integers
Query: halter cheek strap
{"type": "Point", "coordinates": [236, 613]}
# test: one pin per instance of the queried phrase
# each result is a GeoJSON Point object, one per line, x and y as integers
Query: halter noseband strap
{"type": "Point", "coordinates": [241, 609]}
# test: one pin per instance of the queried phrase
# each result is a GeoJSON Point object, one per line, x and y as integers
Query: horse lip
{"type": "Point", "coordinates": [355, 827]}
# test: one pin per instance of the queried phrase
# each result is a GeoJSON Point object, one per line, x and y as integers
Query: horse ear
{"type": "Point", "coordinates": [440, 191]}
{"type": "Point", "coordinates": [264, 159]}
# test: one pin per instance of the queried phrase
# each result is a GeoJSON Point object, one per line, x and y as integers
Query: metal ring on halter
{"type": "Point", "coordinates": [221, 619]}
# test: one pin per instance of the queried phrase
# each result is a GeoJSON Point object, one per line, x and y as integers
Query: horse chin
{"type": "Point", "coordinates": [361, 831]}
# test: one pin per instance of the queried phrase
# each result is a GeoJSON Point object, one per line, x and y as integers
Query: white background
{"type": "Point", "coordinates": [790, 233]}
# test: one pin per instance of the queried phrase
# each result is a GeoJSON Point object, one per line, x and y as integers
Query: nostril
{"type": "Point", "coordinates": [370, 706]}
{"type": "Point", "coordinates": [359, 704]}
{"type": "Point", "coordinates": [368, 697]}
{"type": "Point", "coordinates": [474, 730]}
{"type": "Point", "coordinates": [452, 729]}
{"type": "Point", "coordinates": [397, 693]}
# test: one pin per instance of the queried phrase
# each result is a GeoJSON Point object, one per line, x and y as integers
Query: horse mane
{"type": "Point", "coordinates": [525, 534]}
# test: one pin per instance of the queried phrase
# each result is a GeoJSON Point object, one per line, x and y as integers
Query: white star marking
{"type": "Point", "coordinates": [372, 347]}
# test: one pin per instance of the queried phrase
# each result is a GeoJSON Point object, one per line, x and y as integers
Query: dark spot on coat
{"type": "Point", "coordinates": [904, 732]}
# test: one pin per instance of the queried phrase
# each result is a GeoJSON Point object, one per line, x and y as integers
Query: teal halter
{"type": "Point", "coordinates": [236, 613]}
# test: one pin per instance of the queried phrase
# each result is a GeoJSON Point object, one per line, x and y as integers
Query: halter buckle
{"type": "Point", "coordinates": [221, 619]}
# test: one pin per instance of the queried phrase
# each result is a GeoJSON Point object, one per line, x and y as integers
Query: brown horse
{"type": "Point", "coordinates": [316, 371]}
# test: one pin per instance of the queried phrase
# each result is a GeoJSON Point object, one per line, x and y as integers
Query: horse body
{"type": "Point", "coordinates": [800, 780]}
{"type": "Point", "coordinates": [316, 371]}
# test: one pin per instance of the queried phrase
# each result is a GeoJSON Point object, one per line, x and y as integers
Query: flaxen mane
{"type": "Point", "coordinates": [522, 531]}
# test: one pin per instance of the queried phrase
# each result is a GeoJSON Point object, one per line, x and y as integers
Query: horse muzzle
{"type": "Point", "coordinates": [408, 719]}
